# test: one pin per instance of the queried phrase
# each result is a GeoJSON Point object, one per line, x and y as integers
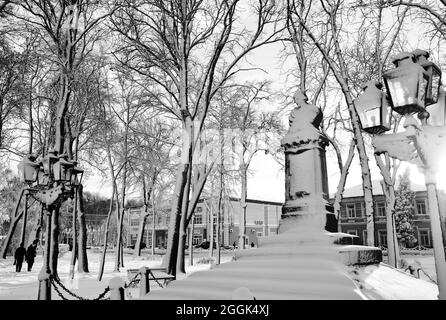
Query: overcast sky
{"type": "Point", "coordinates": [267, 179]}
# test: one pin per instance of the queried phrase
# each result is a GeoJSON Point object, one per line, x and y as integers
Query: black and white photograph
{"type": "Point", "coordinates": [235, 151]}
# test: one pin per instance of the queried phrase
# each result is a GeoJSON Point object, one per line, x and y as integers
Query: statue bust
{"type": "Point", "coordinates": [304, 123]}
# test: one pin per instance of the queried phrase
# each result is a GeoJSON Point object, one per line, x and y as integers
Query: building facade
{"type": "Point", "coordinates": [352, 215]}
{"type": "Point", "coordinates": [262, 219]}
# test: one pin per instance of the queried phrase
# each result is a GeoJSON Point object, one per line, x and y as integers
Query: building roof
{"type": "Point", "coordinates": [356, 191]}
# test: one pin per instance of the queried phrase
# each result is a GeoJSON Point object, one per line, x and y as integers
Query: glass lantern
{"type": "Point", "coordinates": [28, 169]}
{"type": "Point", "coordinates": [406, 85]}
{"type": "Point", "coordinates": [76, 176]}
{"type": "Point", "coordinates": [373, 109]}
{"type": "Point", "coordinates": [62, 169]}
{"type": "Point", "coordinates": [42, 178]}
{"type": "Point", "coordinates": [48, 162]}
{"type": "Point", "coordinates": [434, 74]}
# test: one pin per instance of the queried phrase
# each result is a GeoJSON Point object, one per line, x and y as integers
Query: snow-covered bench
{"type": "Point", "coordinates": [156, 274]}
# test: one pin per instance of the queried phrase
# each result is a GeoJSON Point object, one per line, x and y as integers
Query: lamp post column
{"type": "Point", "coordinates": [437, 237]}
{"type": "Point", "coordinates": [45, 273]}
{"type": "Point", "coordinates": [421, 144]}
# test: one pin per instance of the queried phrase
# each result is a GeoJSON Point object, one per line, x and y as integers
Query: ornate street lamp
{"type": "Point", "coordinates": [28, 169]}
{"type": "Point", "coordinates": [373, 109]}
{"type": "Point", "coordinates": [411, 86]}
{"type": "Point", "coordinates": [61, 169]}
{"type": "Point", "coordinates": [406, 84]}
{"type": "Point", "coordinates": [434, 75]}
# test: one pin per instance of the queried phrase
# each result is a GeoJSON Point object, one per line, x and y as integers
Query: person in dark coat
{"type": "Point", "coordinates": [31, 254]}
{"type": "Point", "coordinates": [19, 256]}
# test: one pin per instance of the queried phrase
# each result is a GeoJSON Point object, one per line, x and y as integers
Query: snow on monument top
{"type": "Point", "coordinates": [304, 122]}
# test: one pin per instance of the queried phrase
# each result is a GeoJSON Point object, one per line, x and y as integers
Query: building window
{"type": "Point", "coordinates": [425, 238]}
{"type": "Point", "coordinates": [197, 239]}
{"type": "Point", "coordinates": [382, 238]}
{"type": "Point", "coordinates": [421, 207]}
{"type": "Point", "coordinates": [273, 230]}
{"type": "Point", "coordinates": [359, 209]}
{"type": "Point", "coordinates": [259, 234]}
{"type": "Point", "coordinates": [198, 219]}
{"type": "Point", "coordinates": [160, 219]}
{"type": "Point", "coordinates": [199, 209]}
{"type": "Point", "coordinates": [134, 222]}
{"type": "Point", "coordinates": [351, 210]}
{"type": "Point", "coordinates": [353, 232]}
{"type": "Point", "coordinates": [381, 209]}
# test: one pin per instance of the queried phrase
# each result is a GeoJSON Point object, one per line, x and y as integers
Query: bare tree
{"type": "Point", "coordinates": [163, 42]}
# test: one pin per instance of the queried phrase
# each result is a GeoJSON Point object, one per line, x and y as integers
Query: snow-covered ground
{"type": "Point", "coordinates": [384, 282]}
{"type": "Point", "coordinates": [24, 285]}
{"type": "Point", "coordinates": [282, 268]}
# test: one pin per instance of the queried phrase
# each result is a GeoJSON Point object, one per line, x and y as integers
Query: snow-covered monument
{"type": "Point", "coordinates": [306, 181]}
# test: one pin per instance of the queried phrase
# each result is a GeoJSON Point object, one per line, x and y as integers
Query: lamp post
{"type": "Point", "coordinates": [50, 181]}
{"type": "Point", "coordinates": [412, 85]}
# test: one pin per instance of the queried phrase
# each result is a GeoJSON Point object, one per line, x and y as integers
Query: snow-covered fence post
{"type": "Point", "coordinates": [144, 285]}
{"type": "Point", "coordinates": [116, 286]}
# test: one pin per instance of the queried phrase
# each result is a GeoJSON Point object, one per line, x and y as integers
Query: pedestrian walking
{"type": "Point", "coordinates": [19, 256]}
{"type": "Point", "coordinates": [31, 254]}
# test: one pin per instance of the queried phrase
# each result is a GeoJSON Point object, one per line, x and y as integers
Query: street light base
{"type": "Point", "coordinates": [44, 285]}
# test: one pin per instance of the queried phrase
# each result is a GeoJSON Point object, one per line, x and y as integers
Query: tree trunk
{"type": "Point", "coordinates": [107, 225]}
{"type": "Point", "coordinates": [393, 251]}
{"type": "Point", "coordinates": [181, 185]}
{"type": "Point", "coordinates": [119, 261]}
{"type": "Point", "coordinates": [12, 226]}
{"type": "Point", "coordinates": [82, 238]}
{"type": "Point", "coordinates": [191, 243]}
{"type": "Point", "coordinates": [54, 253]}
{"type": "Point", "coordinates": [220, 194]}
{"type": "Point", "coordinates": [211, 230]}
{"type": "Point", "coordinates": [119, 251]}
{"type": "Point", "coordinates": [141, 227]}
{"type": "Point", "coordinates": [389, 192]}
{"type": "Point", "coordinates": [74, 250]}
{"type": "Point", "coordinates": [341, 184]}
{"type": "Point", "coordinates": [153, 227]}
{"type": "Point", "coordinates": [181, 268]}
{"type": "Point", "coordinates": [25, 217]}
{"type": "Point", "coordinates": [242, 220]}
{"type": "Point", "coordinates": [217, 231]}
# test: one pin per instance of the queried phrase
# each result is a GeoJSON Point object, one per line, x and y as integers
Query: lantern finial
{"type": "Point", "coordinates": [420, 53]}
{"type": "Point", "coordinates": [401, 56]}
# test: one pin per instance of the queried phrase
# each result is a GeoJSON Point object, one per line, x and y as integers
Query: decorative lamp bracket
{"type": "Point", "coordinates": [49, 197]}
{"type": "Point", "coordinates": [397, 145]}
